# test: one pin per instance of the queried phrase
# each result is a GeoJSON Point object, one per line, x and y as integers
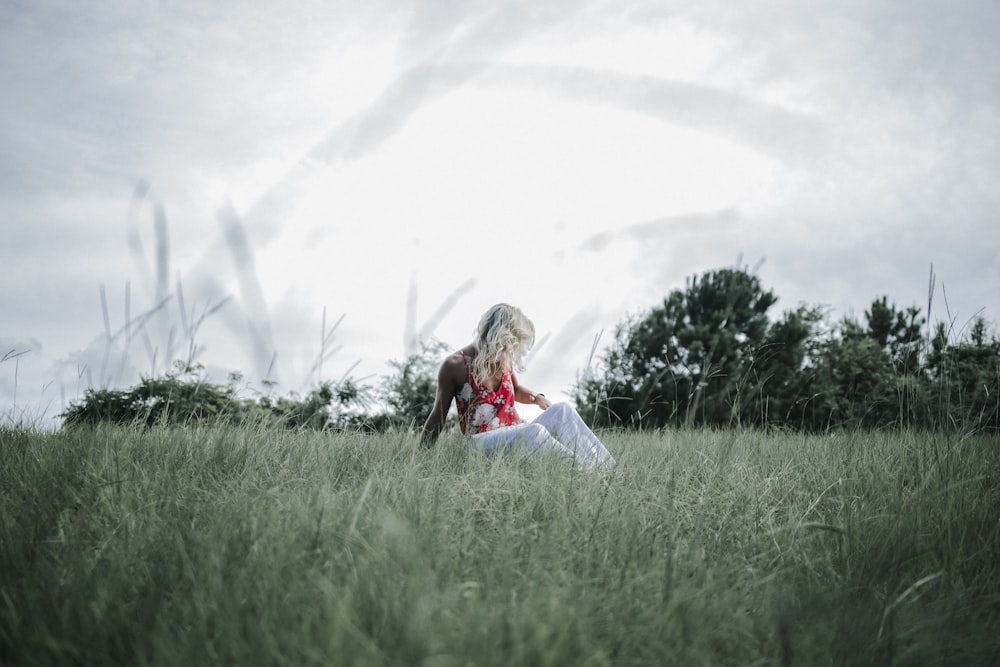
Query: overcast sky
{"type": "Point", "coordinates": [407, 165]}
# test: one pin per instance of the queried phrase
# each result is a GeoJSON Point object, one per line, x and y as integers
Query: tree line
{"type": "Point", "coordinates": [185, 396]}
{"type": "Point", "coordinates": [708, 355]}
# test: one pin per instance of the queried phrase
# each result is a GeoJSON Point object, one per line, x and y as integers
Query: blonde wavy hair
{"type": "Point", "coordinates": [503, 337]}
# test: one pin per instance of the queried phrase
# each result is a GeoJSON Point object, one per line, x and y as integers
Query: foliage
{"type": "Point", "coordinates": [779, 384]}
{"type": "Point", "coordinates": [688, 360]}
{"type": "Point", "coordinates": [326, 406]}
{"type": "Point", "coordinates": [184, 396]}
{"type": "Point", "coordinates": [966, 377]}
{"type": "Point", "coordinates": [897, 332]}
{"type": "Point", "coordinates": [240, 545]}
{"type": "Point", "coordinates": [179, 397]}
{"type": "Point", "coordinates": [709, 355]}
{"type": "Point", "coordinates": [409, 392]}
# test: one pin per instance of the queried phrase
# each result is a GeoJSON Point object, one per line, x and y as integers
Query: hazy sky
{"type": "Point", "coordinates": [407, 165]}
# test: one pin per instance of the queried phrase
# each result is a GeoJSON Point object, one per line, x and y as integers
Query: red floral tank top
{"type": "Point", "coordinates": [483, 410]}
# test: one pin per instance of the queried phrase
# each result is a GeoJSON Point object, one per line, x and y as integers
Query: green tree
{"type": "Point", "coordinates": [407, 394]}
{"type": "Point", "coordinates": [966, 378]}
{"type": "Point", "coordinates": [872, 375]}
{"type": "Point", "coordinates": [898, 332]}
{"type": "Point", "coordinates": [781, 382]}
{"type": "Point", "coordinates": [854, 381]}
{"type": "Point", "coordinates": [410, 391]}
{"type": "Point", "coordinates": [685, 361]}
{"type": "Point", "coordinates": [330, 405]}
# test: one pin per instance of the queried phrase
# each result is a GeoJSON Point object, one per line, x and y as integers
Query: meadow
{"type": "Point", "coordinates": [253, 546]}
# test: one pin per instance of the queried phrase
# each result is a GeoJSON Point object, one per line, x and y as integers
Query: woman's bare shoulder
{"type": "Point", "coordinates": [454, 367]}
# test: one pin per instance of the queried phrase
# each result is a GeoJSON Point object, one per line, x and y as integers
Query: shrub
{"type": "Point", "coordinates": [184, 396]}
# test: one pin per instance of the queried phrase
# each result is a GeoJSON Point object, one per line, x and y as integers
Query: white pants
{"type": "Point", "coordinates": [558, 430]}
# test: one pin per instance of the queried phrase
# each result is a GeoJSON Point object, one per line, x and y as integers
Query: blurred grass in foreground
{"type": "Point", "coordinates": [211, 545]}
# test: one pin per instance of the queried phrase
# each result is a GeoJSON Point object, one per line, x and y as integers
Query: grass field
{"type": "Point", "coordinates": [235, 546]}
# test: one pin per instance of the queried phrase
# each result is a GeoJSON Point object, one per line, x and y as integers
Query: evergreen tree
{"type": "Point", "coordinates": [966, 379]}
{"type": "Point", "coordinates": [782, 380]}
{"type": "Point", "coordinates": [687, 360]}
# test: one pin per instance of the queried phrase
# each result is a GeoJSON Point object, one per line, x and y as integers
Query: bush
{"type": "Point", "coordinates": [184, 397]}
{"type": "Point", "coordinates": [408, 393]}
{"type": "Point", "coordinates": [709, 356]}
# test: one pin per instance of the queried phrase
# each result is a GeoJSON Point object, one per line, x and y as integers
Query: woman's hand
{"type": "Point", "coordinates": [542, 402]}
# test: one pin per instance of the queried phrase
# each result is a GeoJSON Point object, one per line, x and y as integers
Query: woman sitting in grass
{"type": "Point", "coordinates": [480, 379]}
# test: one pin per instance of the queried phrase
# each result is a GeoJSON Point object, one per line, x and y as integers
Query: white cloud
{"type": "Point", "coordinates": [578, 159]}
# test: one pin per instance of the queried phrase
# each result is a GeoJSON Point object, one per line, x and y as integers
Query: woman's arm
{"type": "Point", "coordinates": [446, 391]}
{"type": "Point", "coordinates": [524, 395]}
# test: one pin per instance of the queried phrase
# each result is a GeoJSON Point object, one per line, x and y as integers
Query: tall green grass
{"type": "Point", "coordinates": [210, 545]}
